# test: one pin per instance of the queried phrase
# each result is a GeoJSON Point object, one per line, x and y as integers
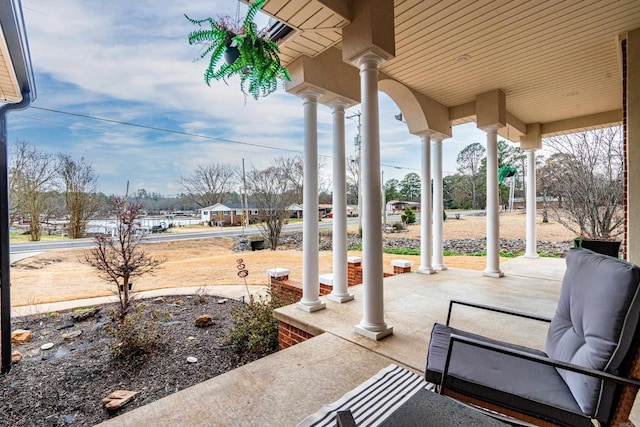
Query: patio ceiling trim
{"type": "Point", "coordinates": [16, 74]}
{"type": "Point", "coordinates": [556, 61]}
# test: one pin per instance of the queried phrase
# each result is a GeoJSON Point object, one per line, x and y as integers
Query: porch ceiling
{"type": "Point", "coordinates": [16, 75]}
{"type": "Point", "coordinates": [555, 59]}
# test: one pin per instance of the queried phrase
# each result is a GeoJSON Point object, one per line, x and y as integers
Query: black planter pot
{"type": "Point", "coordinates": [605, 247]}
{"type": "Point", "coordinates": [231, 54]}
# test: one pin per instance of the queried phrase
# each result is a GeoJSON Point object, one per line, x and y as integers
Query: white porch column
{"type": "Point", "coordinates": [425, 207]}
{"type": "Point", "coordinates": [372, 324]}
{"type": "Point", "coordinates": [310, 245]}
{"type": "Point", "coordinates": [438, 205]}
{"type": "Point", "coordinates": [531, 238]}
{"type": "Point", "coordinates": [340, 292]}
{"type": "Point", "coordinates": [493, 219]}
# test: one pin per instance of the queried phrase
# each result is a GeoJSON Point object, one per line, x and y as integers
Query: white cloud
{"type": "Point", "coordinates": [130, 61]}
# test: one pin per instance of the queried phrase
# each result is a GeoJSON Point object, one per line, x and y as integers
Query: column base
{"type": "Point", "coordinates": [311, 308]}
{"type": "Point", "coordinates": [340, 298]}
{"type": "Point", "coordinates": [493, 273]}
{"type": "Point", "coordinates": [427, 270]}
{"type": "Point", "coordinates": [439, 267]}
{"type": "Point", "coordinates": [374, 335]}
{"type": "Point", "coordinates": [532, 255]}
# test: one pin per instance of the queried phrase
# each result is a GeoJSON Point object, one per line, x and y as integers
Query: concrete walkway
{"type": "Point", "coordinates": [229, 291]}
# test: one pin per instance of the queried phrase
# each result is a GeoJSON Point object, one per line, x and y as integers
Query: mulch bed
{"type": "Point", "coordinates": [65, 385]}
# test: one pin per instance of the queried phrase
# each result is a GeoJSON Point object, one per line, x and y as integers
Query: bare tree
{"type": "Point", "coordinates": [32, 180]}
{"type": "Point", "coordinates": [469, 163]}
{"type": "Point", "coordinates": [353, 179]}
{"type": "Point", "coordinates": [587, 172]}
{"type": "Point", "coordinates": [292, 169]}
{"type": "Point", "coordinates": [272, 193]}
{"type": "Point", "coordinates": [120, 259]}
{"type": "Point", "coordinates": [79, 180]}
{"type": "Point", "coordinates": [209, 184]}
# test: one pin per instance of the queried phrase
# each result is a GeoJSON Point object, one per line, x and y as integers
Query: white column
{"type": "Point", "coordinates": [372, 324]}
{"type": "Point", "coordinates": [425, 207]}
{"type": "Point", "coordinates": [493, 219]}
{"type": "Point", "coordinates": [340, 291]}
{"type": "Point", "coordinates": [438, 205]}
{"type": "Point", "coordinates": [531, 238]}
{"type": "Point", "coordinates": [310, 244]}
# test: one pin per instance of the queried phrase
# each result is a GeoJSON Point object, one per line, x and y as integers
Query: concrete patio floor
{"type": "Point", "coordinates": [284, 388]}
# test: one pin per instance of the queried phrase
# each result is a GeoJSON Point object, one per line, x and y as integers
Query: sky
{"type": "Point", "coordinates": [129, 61]}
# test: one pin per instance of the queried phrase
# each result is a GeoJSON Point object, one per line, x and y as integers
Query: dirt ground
{"type": "Point", "coordinates": [61, 275]}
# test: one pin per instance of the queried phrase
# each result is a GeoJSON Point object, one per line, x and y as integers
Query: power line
{"type": "Point", "coordinates": [159, 129]}
{"type": "Point", "coordinates": [189, 134]}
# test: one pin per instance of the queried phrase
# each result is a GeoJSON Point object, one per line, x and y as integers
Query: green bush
{"type": "Point", "coordinates": [408, 216]}
{"type": "Point", "coordinates": [137, 338]}
{"type": "Point", "coordinates": [256, 329]}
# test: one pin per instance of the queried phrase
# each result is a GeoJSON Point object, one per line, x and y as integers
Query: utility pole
{"type": "Point", "coordinates": [358, 143]}
{"type": "Point", "coordinates": [245, 222]}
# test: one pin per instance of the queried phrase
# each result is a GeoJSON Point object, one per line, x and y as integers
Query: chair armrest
{"type": "Point", "coordinates": [495, 309]}
{"type": "Point", "coordinates": [534, 358]}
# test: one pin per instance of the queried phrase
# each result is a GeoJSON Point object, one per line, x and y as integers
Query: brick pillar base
{"type": "Point", "coordinates": [354, 271]}
{"type": "Point", "coordinates": [289, 335]}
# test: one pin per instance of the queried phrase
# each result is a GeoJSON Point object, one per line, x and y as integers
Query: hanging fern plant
{"type": "Point", "coordinates": [258, 62]}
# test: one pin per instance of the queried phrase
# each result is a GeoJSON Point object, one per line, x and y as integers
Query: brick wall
{"type": "Point", "coordinates": [354, 273]}
{"type": "Point", "coordinates": [401, 270]}
{"type": "Point", "coordinates": [289, 335]}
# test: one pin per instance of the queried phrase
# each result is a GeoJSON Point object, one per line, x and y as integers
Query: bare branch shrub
{"type": "Point", "coordinates": [120, 258]}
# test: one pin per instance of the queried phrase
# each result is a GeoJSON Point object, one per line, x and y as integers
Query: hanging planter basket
{"type": "Point", "coordinates": [231, 54]}
{"type": "Point", "coordinates": [242, 51]}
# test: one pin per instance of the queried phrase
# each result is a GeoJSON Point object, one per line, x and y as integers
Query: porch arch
{"type": "Point", "coordinates": [422, 114]}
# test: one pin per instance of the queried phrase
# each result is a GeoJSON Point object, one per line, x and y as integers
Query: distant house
{"type": "Point", "coordinates": [397, 206]}
{"type": "Point", "coordinates": [226, 214]}
{"type": "Point", "coordinates": [519, 202]}
{"type": "Point", "coordinates": [295, 210]}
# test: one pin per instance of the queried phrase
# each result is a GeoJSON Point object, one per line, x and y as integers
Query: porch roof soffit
{"type": "Point", "coordinates": [557, 62]}
{"type": "Point", "coordinates": [16, 74]}
{"type": "Point", "coordinates": [328, 74]}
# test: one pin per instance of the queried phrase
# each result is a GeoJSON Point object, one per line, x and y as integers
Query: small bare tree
{"type": "Point", "coordinates": [209, 184]}
{"type": "Point", "coordinates": [79, 180]}
{"type": "Point", "coordinates": [119, 259]}
{"type": "Point", "coordinates": [271, 192]}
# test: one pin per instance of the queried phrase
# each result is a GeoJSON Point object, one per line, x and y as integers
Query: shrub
{"type": "Point", "coordinates": [398, 226]}
{"type": "Point", "coordinates": [137, 338]}
{"type": "Point", "coordinates": [408, 216]}
{"type": "Point", "coordinates": [256, 329]}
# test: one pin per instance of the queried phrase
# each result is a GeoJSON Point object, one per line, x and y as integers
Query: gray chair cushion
{"type": "Point", "coordinates": [594, 324]}
{"type": "Point", "coordinates": [508, 381]}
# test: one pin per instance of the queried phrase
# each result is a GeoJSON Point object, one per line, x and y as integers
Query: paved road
{"type": "Point", "coordinates": [23, 247]}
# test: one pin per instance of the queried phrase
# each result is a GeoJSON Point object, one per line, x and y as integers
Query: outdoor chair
{"type": "Point", "coordinates": [590, 365]}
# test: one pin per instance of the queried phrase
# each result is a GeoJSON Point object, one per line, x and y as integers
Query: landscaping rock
{"type": "Point", "coordinates": [86, 314]}
{"type": "Point", "coordinates": [20, 336]}
{"type": "Point", "coordinates": [16, 356]}
{"type": "Point", "coordinates": [118, 398]}
{"type": "Point", "coordinates": [71, 335]}
{"type": "Point", "coordinates": [66, 326]}
{"type": "Point", "coordinates": [204, 321]}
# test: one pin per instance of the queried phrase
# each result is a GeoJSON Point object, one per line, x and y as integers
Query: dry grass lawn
{"type": "Point", "coordinates": [61, 275]}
